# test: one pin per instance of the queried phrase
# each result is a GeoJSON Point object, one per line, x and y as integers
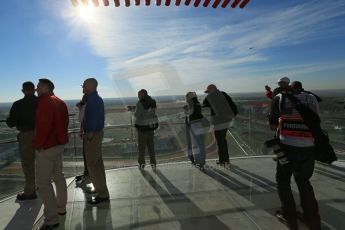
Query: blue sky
{"type": "Point", "coordinates": [171, 50]}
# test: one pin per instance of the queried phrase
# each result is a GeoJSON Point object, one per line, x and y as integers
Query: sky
{"type": "Point", "coordinates": [170, 50]}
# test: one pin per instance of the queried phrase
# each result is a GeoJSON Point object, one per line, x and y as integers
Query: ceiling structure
{"type": "Point", "coordinates": [196, 3]}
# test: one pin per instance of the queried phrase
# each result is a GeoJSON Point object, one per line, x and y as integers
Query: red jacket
{"type": "Point", "coordinates": [51, 122]}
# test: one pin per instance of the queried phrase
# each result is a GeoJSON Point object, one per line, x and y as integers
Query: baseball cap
{"type": "Point", "coordinates": [209, 87]}
{"type": "Point", "coordinates": [284, 79]}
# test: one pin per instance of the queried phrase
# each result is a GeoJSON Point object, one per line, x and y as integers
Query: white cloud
{"type": "Point", "coordinates": [201, 49]}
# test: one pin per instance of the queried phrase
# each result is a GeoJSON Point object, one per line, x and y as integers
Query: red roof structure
{"type": "Point", "coordinates": [205, 3]}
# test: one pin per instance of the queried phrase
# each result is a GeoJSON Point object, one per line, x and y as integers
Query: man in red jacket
{"type": "Point", "coordinates": [51, 134]}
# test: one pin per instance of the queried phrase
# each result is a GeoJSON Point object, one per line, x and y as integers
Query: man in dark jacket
{"type": "Point", "coordinates": [297, 143]}
{"type": "Point", "coordinates": [22, 116]}
{"type": "Point", "coordinates": [51, 134]}
{"type": "Point", "coordinates": [223, 110]}
{"type": "Point", "coordinates": [146, 122]}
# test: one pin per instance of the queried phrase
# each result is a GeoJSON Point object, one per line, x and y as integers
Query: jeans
{"type": "Point", "coordinates": [301, 166]}
{"type": "Point", "coordinates": [198, 143]}
{"type": "Point", "coordinates": [189, 144]}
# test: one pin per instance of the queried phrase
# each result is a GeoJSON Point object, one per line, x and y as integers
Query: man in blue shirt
{"type": "Point", "coordinates": [93, 127]}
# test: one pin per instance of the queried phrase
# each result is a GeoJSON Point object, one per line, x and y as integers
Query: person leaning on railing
{"type": "Point", "coordinates": [22, 116]}
{"type": "Point", "coordinates": [223, 110]}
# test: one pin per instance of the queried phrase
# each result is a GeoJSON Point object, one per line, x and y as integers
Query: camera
{"type": "Point", "coordinates": [272, 146]}
{"type": "Point", "coordinates": [131, 108]}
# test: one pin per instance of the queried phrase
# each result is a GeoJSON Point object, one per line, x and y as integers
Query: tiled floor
{"type": "Point", "coordinates": [179, 196]}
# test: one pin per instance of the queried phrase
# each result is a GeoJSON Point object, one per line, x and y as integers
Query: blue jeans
{"type": "Point", "coordinates": [197, 135]}
{"type": "Point", "coordinates": [189, 144]}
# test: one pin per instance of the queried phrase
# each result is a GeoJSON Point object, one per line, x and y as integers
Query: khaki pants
{"type": "Point", "coordinates": [49, 167]}
{"type": "Point", "coordinates": [95, 165]}
{"type": "Point", "coordinates": [27, 157]}
{"type": "Point", "coordinates": [145, 139]}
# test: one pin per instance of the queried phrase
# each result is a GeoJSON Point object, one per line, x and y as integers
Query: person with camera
{"type": "Point", "coordinates": [297, 144]}
{"type": "Point", "coordinates": [146, 121]}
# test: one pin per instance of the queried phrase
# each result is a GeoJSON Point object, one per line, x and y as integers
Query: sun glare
{"type": "Point", "coordinates": [86, 13]}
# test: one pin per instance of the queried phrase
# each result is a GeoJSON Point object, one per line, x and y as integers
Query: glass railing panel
{"type": "Point", "coordinates": [11, 173]}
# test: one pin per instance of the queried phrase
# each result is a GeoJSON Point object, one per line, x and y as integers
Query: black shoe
{"type": "Point", "coordinates": [49, 227]}
{"type": "Point", "coordinates": [154, 166]}
{"type": "Point", "coordinates": [279, 214]}
{"type": "Point", "coordinates": [141, 166]}
{"type": "Point", "coordinates": [23, 196]}
{"type": "Point", "coordinates": [97, 200]}
{"type": "Point", "coordinates": [62, 213]}
{"type": "Point", "coordinates": [78, 178]}
{"type": "Point", "coordinates": [290, 224]}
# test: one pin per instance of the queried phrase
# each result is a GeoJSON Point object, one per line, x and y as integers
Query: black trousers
{"type": "Point", "coordinates": [301, 166]}
{"type": "Point", "coordinates": [145, 139]}
{"type": "Point", "coordinates": [222, 145]}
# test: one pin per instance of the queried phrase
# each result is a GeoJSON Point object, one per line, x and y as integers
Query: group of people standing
{"type": "Point", "coordinates": [43, 132]}
{"type": "Point", "coordinates": [223, 110]}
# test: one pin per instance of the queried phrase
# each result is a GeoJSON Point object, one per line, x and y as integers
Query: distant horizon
{"type": "Point", "coordinates": [323, 92]}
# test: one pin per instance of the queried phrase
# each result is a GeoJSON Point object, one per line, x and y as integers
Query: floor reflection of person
{"type": "Point", "coordinates": [22, 116]}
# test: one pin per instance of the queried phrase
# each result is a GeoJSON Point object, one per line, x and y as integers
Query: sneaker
{"type": "Point", "coordinates": [280, 216]}
{"type": "Point", "coordinates": [49, 227]}
{"type": "Point", "coordinates": [84, 180]}
{"type": "Point", "coordinates": [23, 196]}
{"type": "Point", "coordinates": [97, 200]}
{"type": "Point", "coordinates": [142, 166]}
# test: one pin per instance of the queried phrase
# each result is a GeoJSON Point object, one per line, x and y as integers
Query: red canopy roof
{"type": "Point", "coordinates": [197, 3]}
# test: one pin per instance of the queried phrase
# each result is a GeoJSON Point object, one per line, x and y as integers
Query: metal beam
{"type": "Point", "coordinates": [235, 3]}
{"type": "Point", "coordinates": [197, 3]}
{"type": "Point", "coordinates": [244, 3]}
{"type": "Point", "coordinates": [117, 3]}
{"type": "Point", "coordinates": [216, 3]}
{"type": "Point", "coordinates": [206, 3]}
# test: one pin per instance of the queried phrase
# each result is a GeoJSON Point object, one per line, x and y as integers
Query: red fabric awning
{"type": "Point", "coordinates": [205, 3]}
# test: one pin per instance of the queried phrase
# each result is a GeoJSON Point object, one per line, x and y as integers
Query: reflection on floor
{"type": "Point", "coordinates": [179, 196]}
